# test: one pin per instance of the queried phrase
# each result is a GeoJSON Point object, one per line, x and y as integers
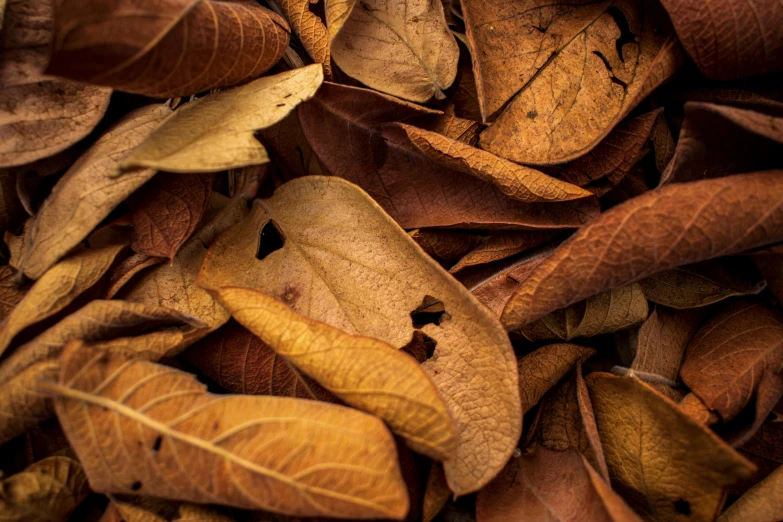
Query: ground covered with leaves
{"type": "Point", "coordinates": [458, 260]}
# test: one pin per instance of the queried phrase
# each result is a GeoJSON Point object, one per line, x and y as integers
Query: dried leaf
{"type": "Point", "coordinates": [771, 268]}
{"type": "Point", "coordinates": [665, 465]}
{"type": "Point", "coordinates": [166, 211]}
{"type": "Point", "coordinates": [436, 494]}
{"type": "Point", "coordinates": [240, 362]}
{"type": "Point", "coordinates": [502, 245]}
{"type": "Point", "coordinates": [446, 245]}
{"type": "Point", "coordinates": [607, 312]}
{"type": "Point", "coordinates": [367, 373]}
{"type": "Point", "coordinates": [315, 258]}
{"type": "Point", "coordinates": [560, 424]}
{"type": "Point", "coordinates": [615, 55]}
{"type": "Point", "coordinates": [551, 486]}
{"type": "Point", "coordinates": [416, 191]}
{"type": "Point", "coordinates": [39, 115]}
{"type": "Point", "coordinates": [285, 455]}
{"type": "Point", "coordinates": [166, 49]}
{"type": "Point", "coordinates": [310, 30]}
{"type": "Point", "coordinates": [733, 355]}
{"type": "Point", "coordinates": [87, 193]}
{"type": "Point", "coordinates": [669, 227]}
{"type": "Point", "coordinates": [12, 290]}
{"type": "Point", "coordinates": [542, 369]}
{"type": "Point", "coordinates": [762, 503]}
{"type": "Point", "coordinates": [288, 145]}
{"type": "Point", "coordinates": [663, 143]}
{"type": "Point", "coordinates": [196, 513]}
{"type": "Point", "coordinates": [703, 283]}
{"type": "Point", "coordinates": [127, 512]}
{"type": "Point", "coordinates": [695, 408]}
{"type": "Point", "coordinates": [58, 288]}
{"type": "Point", "coordinates": [126, 270]}
{"type": "Point", "coordinates": [403, 48]}
{"type": "Point", "coordinates": [47, 491]}
{"type": "Point", "coordinates": [730, 38]}
{"type": "Point", "coordinates": [215, 132]}
{"type": "Point", "coordinates": [662, 341]}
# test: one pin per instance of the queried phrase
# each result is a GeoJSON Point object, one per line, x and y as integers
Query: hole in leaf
{"type": "Point", "coordinates": [156, 445]}
{"type": "Point", "coordinates": [608, 65]}
{"type": "Point", "coordinates": [430, 311]}
{"type": "Point", "coordinates": [136, 486]}
{"type": "Point", "coordinates": [269, 240]}
{"type": "Point", "coordinates": [682, 506]}
{"type": "Point", "coordinates": [626, 36]}
{"type": "Point", "coordinates": [421, 346]}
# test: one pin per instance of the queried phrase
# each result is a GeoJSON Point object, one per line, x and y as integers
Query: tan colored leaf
{"type": "Point", "coordinates": [240, 362]}
{"type": "Point", "coordinates": [126, 270]}
{"type": "Point", "coordinates": [662, 341]}
{"type": "Point", "coordinates": [703, 283]}
{"type": "Point", "coordinates": [215, 132]}
{"type": "Point", "coordinates": [12, 290]}
{"type": "Point", "coordinates": [614, 56]}
{"type": "Point", "coordinates": [39, 115]}
{"type": "Point", "coordinates": [436, 493]}
{"type": "Point", "coordinates": [502, 245]}
{"type": "Point", "coordinates": [446, 245]}
{"type": "Point", "coordinates": [542, 369]}
{"type": "Point", "coordinates": [762, 503]}
{"type": "Point", "coordinates": [603, 313]}
{"type": "Point", "coordinates": [551, 486]}
{"type": "Point", "coordinates": [286, 455]}
{"type": "Point", "coordinates": [47, 491]}
{"type": "Point", "coordinates": [310, 30]}
{"type": "Point", "coordinates": [730, 38]}
{"type": "Point", "coordinates": [733, 354]}
{"type": "Point", "coordinates": [118, 511]}
{"type": "Point", "coordinates": [87, 193]}
{"type": "Point", "coordinates": [166, 49]}
{"type": "Point", "coordinates": [415, 190]}
{"type": "Point", "coordinates": [366, 373]}
{"type": "Point", "coordinates": [166, 211]}
{"type": "Point", "coordinates": [58, 288]}
{"type": "Point", "coordinates": [664, 464]}
{"type": "Point", "coordinates": [21, 405]}
{"type": "Point", "coordinates": [315, 258]}
{"type": "Point", "coordinates": [665, 228]}
{"type": "Point", "coordinates": [516, 181]}
{"type": "Point", "coordinates": [403, 48]}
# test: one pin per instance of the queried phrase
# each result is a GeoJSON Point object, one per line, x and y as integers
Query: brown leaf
{"type": "Point", "coordinates": [436, 494]}
{"type": "Point", "coordinates": [12, 290]}
{"type": "Point", "coordinates": [127, 269]}
{"type": "Point", "coordinates": [663, 143]}
{"type": "Point", "coordinates": [665, 465]}
{"type": "Point", "coordinates": [730, 38]}
{"type": "Point", "coordinates": [166, 49]}
{"type": "Point", "coordinates": [40, 115]}
{"type": "Point", "coordinates": [695, 408]}
{"type": "Point", "coordinates": [166, 211]}
{"type": "Point", "coordinates": [542, 369]}
{"type": "Point", "coordinates": [502, 245]}
{"type": "Point", "coordinates": [665, 228]}
{"type": "Point", "coordinates": [286, 455]}
{"type": "Point", "coordinates": [47, 491]}
{"type": "Point", "coordinates": [315, 259]}
{"type": "Point", "coordinates": [366, 373]}
{"type": "Point", "coordinates": [718, 140]}
{"type": "Point", "coordinates": [310, 30]}
{"type": "Point", "coordinates": [560, 423]}
{"type": "Point", "coordinates": [118, 511]}
{"type": "Point", "coordinates": [446, 245]}
{"type": "Point", "coordinates": [613, 54]}
{"type": "Point", "coordinates": [58, 288]}
{"type": "Point", "coordinates": [736, 353]}
{"type": "Point", "coordinates": [771, 268]}
{"type": "Point", "coordinates": [662, 341]}
{"type": "Point", "coordinates": [240, 362]}
{"type": "Point", "coordinates": [87, 193]}
{"type": "Point", "coordinates": [287, 144]}
{"type": "Point", "coordinates": [401, 48]}
{"type": "Point", "coordinates": [551, 486]}
{"type": "Point", "coordinates": [762, 503]}
{"type": "Point", "coordinates": [703, 283]}
{"type": "Point", "coordinates": [603, 313]}
{"type": "Point", "coordinates": [416, 191]}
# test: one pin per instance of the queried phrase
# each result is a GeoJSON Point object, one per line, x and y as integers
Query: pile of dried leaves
{"type": "Point", "coordinates": [492, 260]}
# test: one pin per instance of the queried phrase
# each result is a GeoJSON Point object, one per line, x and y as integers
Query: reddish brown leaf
{"type": "Point", "coordinates": [446, 245]}
{"type": "Point", "coordinates": [697, 410]}
{"type": "Point", "coordinates": [662, 341]}
{"type": "Point", "coordinates": [501, 245]}
{"type": "Point", "coordinates": [662, 229]}
{"type": "Point", "coordinates": [166, 211]}
{"type": "Point", "coordinates": [543, 368]}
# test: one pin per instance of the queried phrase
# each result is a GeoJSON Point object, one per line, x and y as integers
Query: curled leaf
{"type": "Point", "coordinates": [662, 341]}
{"type": "Point", "coordinates": [310, 29]}
{"type": "Point", "coordinates": [542, 369]}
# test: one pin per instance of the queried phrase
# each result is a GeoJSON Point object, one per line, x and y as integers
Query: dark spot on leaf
{"type": "Point", "coordinates": [540, 29]}
{"type": "Point", "coordinates": [532, 114]}
{"type": "Point", "coordinates": [626, 36]}
{"type": "Point", "coordinates": [608, 65]}
{"type": "Point", "coordinates": [289, 295]}
{"type": "Point", "coordinates": [156, 445]}
{"type": "Point", "coordinates": [430, 311]}
{"type": "Point", "coordinates": [683, 507]}
{"type": "Point", "coordinates": [136, 486]}
{"type": "Point", "coordinates": [269, 240]}
{"type": "Point", "coordinates": [281, 104]}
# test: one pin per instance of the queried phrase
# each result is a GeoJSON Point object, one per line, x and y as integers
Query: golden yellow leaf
{"type": "Point", "coordinates": [215, 132]}
{"type": "Point", "coordinates": [87, 193]}
{"type": "Point", "coordinates": [665, 465]}
{"type": "Point", "coordinates": [291, 456]}
{"type": "Point", "coordinates": [57, 288]}
{"type": "Point", "coordinates": [46, 491]}
{"type": "Point", "coordinates": [310, 30]}
{"type": "Point", "coordinates": [364, 372]}
{"type": "Point", "coordinates": [761, 503]}
{"type": "Point", "coordinates": [326, 249]}
{"type": "Point", "coordinates": [403, 48]}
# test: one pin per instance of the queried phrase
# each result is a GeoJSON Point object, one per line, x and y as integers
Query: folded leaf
{"type": "Point", "coordinates": [215, 132]}
{"type": "Point", "coordinates": [403, 48]}
{"type": "Point", "coordinates": [662, 341]}
{"type": "Point", "coordinates": [47, 491]}
{"type": "Point", "coordinates": [502, 245]}
{"type": "Point", "coordinates": [541, 369]}
{"type": "Point", "coordinates": [665, 228]}
{"type": "Point", "coordinates": [615, 55]}
{"type": "Point", "coordinates": [166, 49]}
{"type": "Point", "coordinates": [39, 115]}
{"type": "Point", "coordinates": [291, 456]}
{"type": "Point", "coordinates": [446, 245]}
{"type": "Point", "coordinates": [310, 30]}
{"type": "Point", "coordinates": [762, 503]}
{"type": "Point", "coordinates": [87, 193]}
{"type": "Point", "coordinates": [436, 494]}
{"type": "Point", "coordinates": [665, 465]}
{"type": "Point", "coordinates": [303, 246]}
